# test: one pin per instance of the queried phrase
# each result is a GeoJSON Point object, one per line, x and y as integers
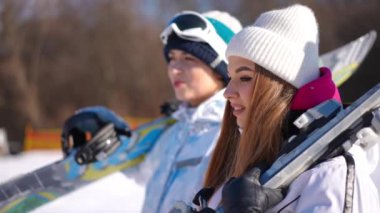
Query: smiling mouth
{"type": "Point", "coordinates": [178, 83]}
{"type": "Point", "coordinates": [237, 110]}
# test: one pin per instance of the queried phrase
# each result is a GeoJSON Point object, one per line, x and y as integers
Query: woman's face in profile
{"type": "Point", "coordinates": [192, 80]}
{"type": "Point", "coordinates": [238, 92]}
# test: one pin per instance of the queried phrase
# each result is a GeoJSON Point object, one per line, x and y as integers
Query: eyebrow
{"type": "Point", "coordinates": [243, 68]}
{"type": "Point", "coordinates": [183, 53]}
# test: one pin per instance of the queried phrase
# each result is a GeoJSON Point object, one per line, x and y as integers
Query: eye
{"type": "Point", "coordinates": [245, 78]}
{"type": "Point", "coordinates": [170, 56]}
{"type": "Point", "coordinates": [190, 58]}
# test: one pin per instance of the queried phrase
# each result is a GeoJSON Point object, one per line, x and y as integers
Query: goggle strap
{"type": "Point", "coordinates": [216, 62]}
{"type": "Point", "coordinates": [165, 34]}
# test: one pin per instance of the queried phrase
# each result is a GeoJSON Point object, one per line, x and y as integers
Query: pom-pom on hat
{"type": "Point", "coordinates": [283, 41]}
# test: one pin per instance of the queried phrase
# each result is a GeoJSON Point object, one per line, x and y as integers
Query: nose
{"type": "Point", "coordinates": [230, 91]}
{"type": "Point", "coordinates": [174, 67]}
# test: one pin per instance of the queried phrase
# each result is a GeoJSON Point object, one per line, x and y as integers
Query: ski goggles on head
{"type": "Point", "coordinates": [193, 26]}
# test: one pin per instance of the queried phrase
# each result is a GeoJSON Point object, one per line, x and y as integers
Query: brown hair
{"type": "Point", "coordinates": [261, 139]}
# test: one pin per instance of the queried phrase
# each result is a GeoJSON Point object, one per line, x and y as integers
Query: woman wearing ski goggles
{"type": "Point", "coordinates": [194, 47]}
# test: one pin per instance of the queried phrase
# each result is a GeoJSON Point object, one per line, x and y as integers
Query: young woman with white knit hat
{"type": "Point", "coordinates": [274, 77]}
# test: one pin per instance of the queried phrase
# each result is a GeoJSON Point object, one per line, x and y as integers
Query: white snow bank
{"type": "Point", "coordinates": [114, 193]}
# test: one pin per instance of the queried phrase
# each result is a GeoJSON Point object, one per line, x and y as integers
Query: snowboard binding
{"type": "Point", "coordinates": [94, 132]}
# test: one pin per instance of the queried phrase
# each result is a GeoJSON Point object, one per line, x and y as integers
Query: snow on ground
{"type": "Point", "coordinates": [13, 165]}
{"type": "Point", "coordinates": [114, 193]}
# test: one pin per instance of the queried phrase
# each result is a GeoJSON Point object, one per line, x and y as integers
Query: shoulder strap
{"type": "Point", "coordinates": [350, 181]}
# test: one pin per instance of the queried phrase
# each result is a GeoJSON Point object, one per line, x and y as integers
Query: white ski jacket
{"type": "Point", "coordinates": [175, 168]}
{"type": "Point", "coordinates": [323, 188]}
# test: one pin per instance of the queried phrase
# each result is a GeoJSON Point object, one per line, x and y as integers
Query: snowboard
{"type": "Point", "coordinates": [345, 60]}
{"type": "Point", "coordinates": [325, 129]}
{"type": "Point", "coordinates": [43, 185]}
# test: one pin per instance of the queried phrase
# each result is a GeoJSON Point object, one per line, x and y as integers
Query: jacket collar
{"type": "Point", "coordinates": [210, 110]}
{"type": "Point", "coordinates": [316, 92]}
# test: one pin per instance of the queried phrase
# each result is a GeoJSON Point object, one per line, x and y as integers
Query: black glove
{"type": "Point", "coordinates": [182, 207]}
{"type": "Point", "coordinates": [203, 196]}
{"type": "Point", "coordinates": [246, 194]}
{"type": "Point", "coordinates": [167, 108]}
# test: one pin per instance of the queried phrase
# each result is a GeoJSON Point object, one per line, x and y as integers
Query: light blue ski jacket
{"type": "Point", "coordinates": [175, 168]}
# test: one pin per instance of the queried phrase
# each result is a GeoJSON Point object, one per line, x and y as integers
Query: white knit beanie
{"type": "Point", "coordinates": [283, 41]}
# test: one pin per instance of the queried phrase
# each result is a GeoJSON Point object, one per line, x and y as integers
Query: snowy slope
{"type": "Point", "coordinates": [115, 193]}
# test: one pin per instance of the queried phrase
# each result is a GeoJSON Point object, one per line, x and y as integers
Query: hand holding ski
{"type": "Point", "coordinates": [246, 194]}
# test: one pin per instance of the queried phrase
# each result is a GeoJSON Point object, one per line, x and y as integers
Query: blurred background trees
{"type": "Point", "coordinates": [60, 55]}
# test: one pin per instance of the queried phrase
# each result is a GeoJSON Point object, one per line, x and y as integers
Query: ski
{"type": "Point", "coordinates": [345, 60]}
{"type": "Point", "coordinates": [43, 185]}
{"type": "Point", "coordinates": [325, 128]}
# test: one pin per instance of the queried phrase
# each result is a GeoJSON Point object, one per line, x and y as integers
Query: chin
{"type": "Point", "coordinates": [239, 124]}
{"type": "Point", "coordinates": [182, 98]}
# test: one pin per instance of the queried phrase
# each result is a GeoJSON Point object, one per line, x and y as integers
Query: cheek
{"type": "Point", "coordinates": [191, 77]}
{"type": "Point", "coordinates": [246, 92]}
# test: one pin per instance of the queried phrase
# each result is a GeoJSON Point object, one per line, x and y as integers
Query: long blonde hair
{"type": "Point", "coordinates": [261, 139]}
